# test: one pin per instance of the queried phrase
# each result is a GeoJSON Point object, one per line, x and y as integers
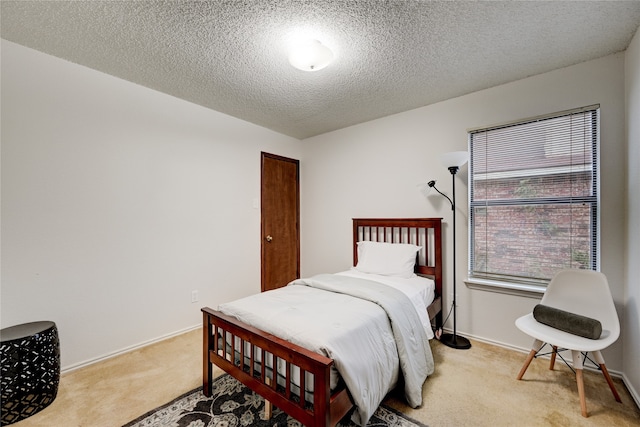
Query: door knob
{"type": "Point", "coordinates": [268, 238]}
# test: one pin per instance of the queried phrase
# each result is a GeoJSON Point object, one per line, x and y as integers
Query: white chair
{"type": "Point", "coordinates": [582, 292]}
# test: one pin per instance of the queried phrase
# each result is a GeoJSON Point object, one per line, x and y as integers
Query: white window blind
{"type": "Point", "coordinates": [534, 197]}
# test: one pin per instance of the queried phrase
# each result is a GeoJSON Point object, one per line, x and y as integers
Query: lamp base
{"type": "Point", "coordinates": [455, 341]}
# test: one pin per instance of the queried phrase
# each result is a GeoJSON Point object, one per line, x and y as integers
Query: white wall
{"type": "Point", "coordinates": [117, 202]}
{"type": "Point", "coordinates": [372, 170]}
{"type": "Point", "coordinates": [631, 321]}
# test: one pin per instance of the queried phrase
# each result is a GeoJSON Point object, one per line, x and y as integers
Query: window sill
{"type": "Point", "coordinates": [530, 291]}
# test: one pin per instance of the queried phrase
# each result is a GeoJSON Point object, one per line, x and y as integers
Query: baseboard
{"type": "Point", "coordinates": [632, 391]}
{"type": "Point", "coordinates": [492, 342]}
{"type": "Point", "coordinates": [526, 350]}
{"type": "Point", "coordinates": [66, 369]}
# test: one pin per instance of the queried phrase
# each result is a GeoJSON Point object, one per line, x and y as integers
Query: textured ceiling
{"type": "Point", "coordinates": [390, 56]}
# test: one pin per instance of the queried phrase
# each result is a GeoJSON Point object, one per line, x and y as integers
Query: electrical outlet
{"type": "Point", "coordinates": [194, 296]}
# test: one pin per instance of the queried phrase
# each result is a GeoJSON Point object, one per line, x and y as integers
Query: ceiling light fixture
{"type": "Point", "coordinates": [310, 56]}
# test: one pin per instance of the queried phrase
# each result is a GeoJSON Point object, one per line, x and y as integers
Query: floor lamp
{"type": "Point", "coordinates": [453, 161]}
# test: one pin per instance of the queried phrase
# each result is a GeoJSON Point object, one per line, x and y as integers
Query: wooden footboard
{"type": "Point", "coordinates": [240, 349]}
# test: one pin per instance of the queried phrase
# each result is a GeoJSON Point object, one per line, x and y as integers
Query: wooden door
{"type": "Point", "coordinates": [280, 224]}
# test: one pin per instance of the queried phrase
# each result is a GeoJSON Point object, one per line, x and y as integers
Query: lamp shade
{"type": "Point", "coordinates": [310, 56]}
{"type": "Point", "coordinates": [454, 158]}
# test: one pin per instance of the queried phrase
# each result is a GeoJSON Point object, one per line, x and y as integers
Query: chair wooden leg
{"type": "Point", "coordinates": [578, 364]}
{"type": "Point", "coordinates": [605, 372]}
{"type": "Point", "coordinates": [553, 357]}
{"type": "Point", "coordinates": [527, 362]}
{"type": "Point", "coordinates": [598, 356]}
{"type": "Point", "coordinates": [583, 402]}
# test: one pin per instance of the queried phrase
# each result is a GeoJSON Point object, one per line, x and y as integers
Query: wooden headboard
{"type": "Point", "coordinates": [425, 232]}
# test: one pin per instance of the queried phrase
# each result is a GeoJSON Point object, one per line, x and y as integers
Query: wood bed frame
{"type": "Point", "coordinates": [326, 407]}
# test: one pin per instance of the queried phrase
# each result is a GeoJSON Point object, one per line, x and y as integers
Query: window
{"type": "Point", "coordinates": [534, 198]}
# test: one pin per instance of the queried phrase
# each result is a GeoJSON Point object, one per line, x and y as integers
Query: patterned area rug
{"type": "Point", "coordinates": [232, 404]}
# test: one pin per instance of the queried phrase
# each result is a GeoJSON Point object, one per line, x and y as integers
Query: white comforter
{"type": "Point", "coordinates": [420, 290]}
{"type": "Point", "coordinates": [368, 348]}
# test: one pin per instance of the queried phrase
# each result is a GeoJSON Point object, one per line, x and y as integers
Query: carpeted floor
{"type": "Point", "coordinates": [478, 387]}
{"type": "Point", "coordinates": [475, 387]}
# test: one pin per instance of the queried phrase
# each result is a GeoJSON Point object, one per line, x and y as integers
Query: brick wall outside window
{"type": "Point", "coordinates": [517, 235]}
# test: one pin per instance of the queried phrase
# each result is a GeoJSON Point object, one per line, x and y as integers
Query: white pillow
{"type": "Point", "coordinates": [387, 259]}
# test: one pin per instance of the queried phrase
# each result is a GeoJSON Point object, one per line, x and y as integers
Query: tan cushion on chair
{"type": "Point", "coordinates": [572, 323]}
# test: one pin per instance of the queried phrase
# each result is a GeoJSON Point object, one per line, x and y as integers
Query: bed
{"type": "Point", "coordinates": [309, 385]}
